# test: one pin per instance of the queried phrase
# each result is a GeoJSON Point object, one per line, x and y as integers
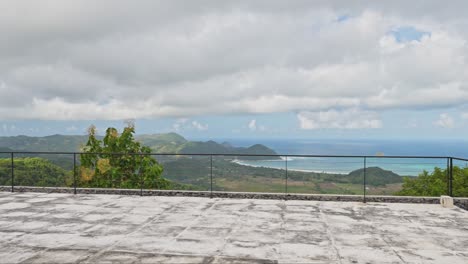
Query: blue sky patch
{"type": "Point", "coordinates": [408, 33]}
{"type": "Point", "coordinates": [342, 18]}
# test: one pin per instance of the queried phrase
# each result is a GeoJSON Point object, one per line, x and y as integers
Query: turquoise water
{"type": "Point", "coordinates": [404, 167]}
{"type": "Point", "coordinates": [410, 167]}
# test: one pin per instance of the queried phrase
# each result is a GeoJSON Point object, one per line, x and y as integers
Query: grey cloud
{"type": "Point", "coordinates": [122, 59]}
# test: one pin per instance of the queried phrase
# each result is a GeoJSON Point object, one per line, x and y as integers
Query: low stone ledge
{"type": "Point", "coordinates": [460, 202]}
{"type": "Point", "coordinates": [403, 199]}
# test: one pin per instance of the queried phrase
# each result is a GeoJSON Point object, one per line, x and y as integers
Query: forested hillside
{"type": "Point", "coordinates": [159, 143]}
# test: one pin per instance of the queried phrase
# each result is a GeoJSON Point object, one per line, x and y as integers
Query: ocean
{"type": "Point", "coordinates": [404, 167]}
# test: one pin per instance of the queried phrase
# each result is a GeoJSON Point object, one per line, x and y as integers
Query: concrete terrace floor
{"type": "Point", "coordinates": [63, 228]}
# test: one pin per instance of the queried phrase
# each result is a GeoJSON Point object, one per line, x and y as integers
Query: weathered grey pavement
{"type": "Point", "coordinates": [63, 228]}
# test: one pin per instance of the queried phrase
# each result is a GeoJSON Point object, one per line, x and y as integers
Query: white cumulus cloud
{"type": "Point", "coordinates": [445, 121]}
{"type": "Point", "coordinates": [252, 125]}
{"type": "Point", "coordinates": [343, 119]}
{"type": "Point", "coordinates": [199, 126]}
{"type": "Point", "coordinates": [112, 60]}
{"type": "Point", "coordinates": [185, 123]}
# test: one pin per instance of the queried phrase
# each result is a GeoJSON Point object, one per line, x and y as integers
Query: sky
{"type": "Point", "coordinates": [236, 69]}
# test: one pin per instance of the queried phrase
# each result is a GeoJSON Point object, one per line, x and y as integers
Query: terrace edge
{"type": "Point", "coordinates": [459, 202]}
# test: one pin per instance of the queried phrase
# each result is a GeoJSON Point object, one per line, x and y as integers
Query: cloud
{"type": "Point", "coordinates": [8, 128]}
{"type": "Point", "coordinates": [115, 60]}
{"type": "Point", "coordinates": [199, 126]}
{"type": "Point", "coordinates": [185, 124]}
{"type": "Point", "coordinates": [412, 124]}
{"type": "Point", "coordinates": [252, 125]}
{"type": "Point", "coordinates": [445, 121]}
{"type": "Point", "coordinates": [344, 119]}
{"type": "Point", "coordinates": [71, 128]}
{"type": "Point", "coordinates": [177, 126]}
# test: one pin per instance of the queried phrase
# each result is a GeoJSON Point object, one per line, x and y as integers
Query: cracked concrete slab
{"type": "Point", "coordinates": [66, 228]}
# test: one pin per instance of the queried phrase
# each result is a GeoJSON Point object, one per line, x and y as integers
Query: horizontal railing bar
{"type": "Point", "coordinates": [462, 159]}
{"type": "Point", "coordinates": [233, 155]}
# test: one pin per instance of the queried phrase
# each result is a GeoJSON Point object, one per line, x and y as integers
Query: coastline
{"type": "Point", "coordinates": [240, 162]}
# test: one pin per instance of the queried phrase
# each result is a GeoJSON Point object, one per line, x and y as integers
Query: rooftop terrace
{"type": "Point", "coordinates": [48, 228]}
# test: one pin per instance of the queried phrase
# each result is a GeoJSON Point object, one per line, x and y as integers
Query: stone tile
{"type": "Point", "coordinates": [251, 249]}
{"type": "Point", "coordinates": [303, 217]}
{"type": "Point", "coordinates": [204, 232]}
{"type": "Point", "coordinates": [155, 229]}
{"type": "Point", "coordinates": [306, 253]}
{"type": "Point", "coordinates": [306, 237]}
{"type": "Point", "coordinates": [60, 256]}
{"type": "Point", "coordinates": [359, 240]}
{"type": "Point", "coordinates": [13, 206]}
{"type": "Point", "coordinates": [16, 254]}
{"type": "Point", "coordinates": [368, 255]}
{"type": "Point", "coordinates": [259, 223]}
{"type": "Point", "coordinates": [195, 247]}
{"type": "Point", "coordinates": [218, 221]}
{"type": "Point", "coordinates": [176, 259]}
{"type": "Point", "coordinates": [318, 226]}
{"type": "Point", "coordinates": [108, 229]}
{"type": "Point", "coordinates": [431, 256]}
{"type": "Point", "coordinates": [140, 243]}
{"type": "Point", "coordinates": [126, 229]}
{"type": "Point", "coordinates": [271, 236]}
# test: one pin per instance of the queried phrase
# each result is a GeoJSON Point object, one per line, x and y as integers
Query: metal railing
{"type": "Point", "coordinates": [291, 176]}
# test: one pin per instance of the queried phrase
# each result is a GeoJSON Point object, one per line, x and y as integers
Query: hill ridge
{"type": "Point", "coordinates": [159, 143]}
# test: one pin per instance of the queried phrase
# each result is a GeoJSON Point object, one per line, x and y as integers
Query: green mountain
{"type": "Point", "coordinates": [48, 143]}
{"type": "Point", "coordinates": [158, 139]}
{"type": "Point", "coordinates": [374, 176]}
{"type": "Point", "coordinates": [212, 147]}
{"type": "Point", "coordinates": [159, 143]}
{"type": "Point", "coordinates": [5, 149]}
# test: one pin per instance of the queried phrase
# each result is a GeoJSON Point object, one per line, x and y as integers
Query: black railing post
{"type": "Point", "coordinates": [74, 173]}
{"type": "Point", "coordinates": [365, 183]}
{"type": "Point", "coordinates": [141, 177]}
{"type": "Point", "coordinates": [447, 174]}
{"type": "Point", "coordinates": [451, 178]}
{"type": "Point", "coordinates": [211, 176]}
{"type": "Point", "coordinates": [286, 177]}
{"type": "Point", "coordinates": [12, 172]}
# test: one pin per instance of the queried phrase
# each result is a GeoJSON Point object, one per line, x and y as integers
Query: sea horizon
{"type": "Point", "coordinates": [371, 147]}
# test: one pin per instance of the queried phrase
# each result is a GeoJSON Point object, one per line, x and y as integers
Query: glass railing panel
{"type": "Point", "coordinates": [41, 170]}
{"type": "Point", "coordinates": [186, 172]}
{"type": "Point", "coordinates": [460, 178]}
{"type": "Point", "coordinates": [5, 169]}
{"type": "Point", "coordinates": [265, 174]}
{"type": "Point", "coordinates": [325, 175]}
{"type": "Point", "coordinates": [416, 176]}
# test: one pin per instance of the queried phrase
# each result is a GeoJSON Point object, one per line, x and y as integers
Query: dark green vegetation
{"type": "Point", "coordinates": [375, 176]}
{"type": "Point", "coordinates": [119, 171]}
{"type": "Point", "coordinates": [435, 183]}
{"type": "Point", "coordinates": [34, 172]}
